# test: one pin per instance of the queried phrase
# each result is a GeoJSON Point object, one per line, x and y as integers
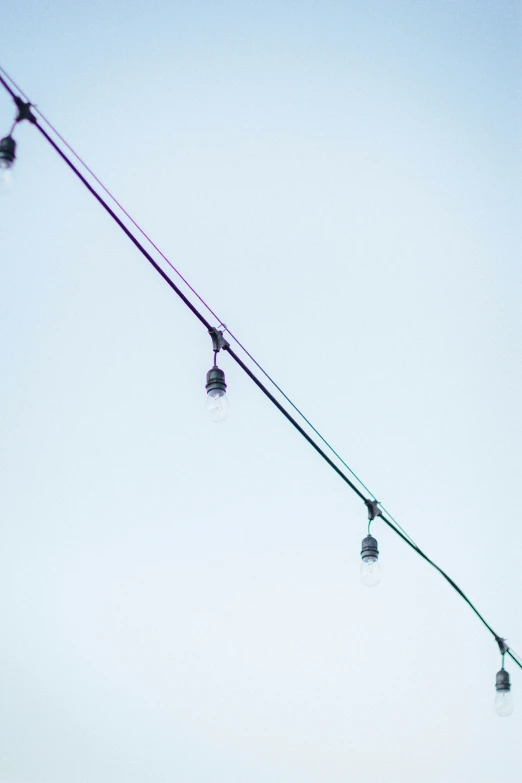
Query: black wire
{"type": "Point", "coordinates": [302, 415]}
{"type": "Point", "coordinates": [126, 230]}
{"type": "Point", "coordinates": [447, 578]}
{"type": "Point", "coordinates": [114, 216]}
{"type": "Point", "coordinates": [203, 302]}
{"type": "Point", "coordinates": [189, 304]}
{"type": "Point", "coordinates": [9, 90]}
{"type": "Point", "coordinates": [291, 419]}
{"type": "Point", "coordinates": [108, 192]}
{"type": "Point", "coordinates": [256, 380]}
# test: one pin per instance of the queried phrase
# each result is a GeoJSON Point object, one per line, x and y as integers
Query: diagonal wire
{"type": "Point", "coordinates": [512, 654]}
{"type": "Point", "coordinates": [205, 304]}
{"type": "Point", "coordinates": [262, 387]}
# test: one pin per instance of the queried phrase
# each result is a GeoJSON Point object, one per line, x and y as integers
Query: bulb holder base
{"type": "Point", "coordinates": [502, 684]}
{"type": "Point", "coordinates": [373, 509]}
{"type": "Point", "coordinates": [8, 149]}
{"type": "Point", "coordinates": [215, 380]}
{"type": "Point", "coordinates": [502, 646]}
{"type": "Point", "coordinates": [369, 548]}
{"type": "Point", "coordinates": [218, 341]}
{"type": "Point", "coordinates": [24, 111]}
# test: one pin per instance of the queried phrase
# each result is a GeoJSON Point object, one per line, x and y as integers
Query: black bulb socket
{"type": "Point", "coordinates": [502, 683]}
{"type": "Point", "coordinates": [215, 380]}
{"type": "Point", "coordinates": [369, 548]}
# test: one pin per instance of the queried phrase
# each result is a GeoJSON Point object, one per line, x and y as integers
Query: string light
{"type": "Point", "coordinates": [215, 382]}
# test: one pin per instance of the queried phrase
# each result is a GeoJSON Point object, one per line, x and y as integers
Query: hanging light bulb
{"type": "Point", "coordinates": [370, 567]}
{"type": "Point", "coordinates": [503, 698]}
{"type": "Point", "coordinates": [8, 144]}
{"type": "Point", "coordinates": [370, 574]}
{"type": "Point", "coordinates": [217, 405]}
{"type": "Point", "coordinates": [7, 152]}
{"type": "Point", "coordinates": [7, 159]}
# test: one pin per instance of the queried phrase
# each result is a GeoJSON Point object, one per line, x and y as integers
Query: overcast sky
{"type": "Point", "coordinates": [179, 601]}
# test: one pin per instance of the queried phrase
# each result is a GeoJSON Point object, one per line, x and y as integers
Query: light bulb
{"type": "Point", "coordinates": [503, 703]}
{"type": "Point", "coordinates": [370, 572]}
{"type": "Point", "coordinates": [370, 568]}
{"type": "Point", "coordinates": [503, 698]}
{"type": "Point", "coordinates": [217, 405]}
{"type": "Point", "coordinates": [6, 176]}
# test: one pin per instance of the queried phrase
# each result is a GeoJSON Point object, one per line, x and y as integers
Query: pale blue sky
{"type": "Point", "coordinates": [180, 602]}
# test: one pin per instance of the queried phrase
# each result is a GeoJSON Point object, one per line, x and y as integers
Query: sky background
{"type": "Point", "coordinates": [180, 602]}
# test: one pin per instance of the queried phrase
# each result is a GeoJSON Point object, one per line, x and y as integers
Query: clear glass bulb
{"type": "Point", "coordinates": [370, 571]}
{"type": "Point", "coordinates": [217, 405]}
{"type": "Point", "coordinates": [6, 175]}
{"type": "Point", "coordinates": [503, 703]}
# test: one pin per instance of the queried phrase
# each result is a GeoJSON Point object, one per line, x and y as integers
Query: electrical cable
{"type": "Point", "coordinates": [108, 192]}
{"type": "Point", "coordinates": [512, 654]}
{"type": "Point", "coordinates": [206, 305]}
{"type": "Point", "coordinates": [291, 419]}
{"type": "Point", "coordinates": [455, 586]}
{"type": "Point", "coordinates": [256, 380]}
{"type": "Point", "coordinates": [116, 218]}
{"type": "Point", "coordinates": [203, 302]}
{"type": "Point", "coordinates": [186, 301]}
